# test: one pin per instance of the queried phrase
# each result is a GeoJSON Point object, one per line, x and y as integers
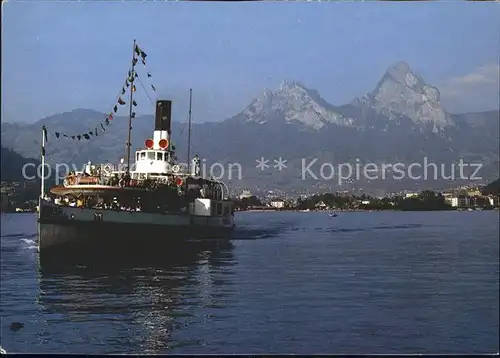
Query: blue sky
{"type": "Point", "coordinates": [58, 56]}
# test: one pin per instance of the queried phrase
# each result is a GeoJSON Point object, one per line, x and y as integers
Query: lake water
{"type": "Point", "coordinates": [370, 282]}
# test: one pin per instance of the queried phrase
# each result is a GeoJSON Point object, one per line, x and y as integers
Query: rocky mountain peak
{"type": "Point", "coordinates": [287, 86]}
{"type": "Point", "coordinates": [293, 103]}
{"type": "Point", "coordinates": [399, 71]}
{"type": "Point", "coordinates": [402, 92]}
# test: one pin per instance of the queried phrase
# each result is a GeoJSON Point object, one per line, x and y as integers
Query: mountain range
{"type": "Point", "coordinates": [400, 121]}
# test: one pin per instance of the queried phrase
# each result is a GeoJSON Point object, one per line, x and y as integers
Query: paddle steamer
{"type": "Point", "coordinates": [153, 201]}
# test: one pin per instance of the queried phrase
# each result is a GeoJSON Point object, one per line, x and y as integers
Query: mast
{"type": "Point", "coordinates": [189, 131]}
{"type": "Point", "coordinates": [42, 186]}
{"type": "Point", "coordinates": [129, 144]}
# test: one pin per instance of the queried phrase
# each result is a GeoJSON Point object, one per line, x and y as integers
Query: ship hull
{"type": "Point", "coordinates": [98, 231]}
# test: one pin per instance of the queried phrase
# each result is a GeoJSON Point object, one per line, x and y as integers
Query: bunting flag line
{"type": "Point", "coordinates": [148, 74]}
{"type": "Point", "coordinates": [132, 74]}
{"type": "Point", "coordinates": [143, 55]}
{"type": "Point", "coordinates": [87, 135]}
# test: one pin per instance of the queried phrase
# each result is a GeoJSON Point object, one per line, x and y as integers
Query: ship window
{"type": "Point", "coordinates": [159, 156]}
{"type": "Point", "coordinates": [151, 155]}
{"type": "Point", "coordinates": [136, 157]}
{"type": "Point", "coordinates": [143, 155]}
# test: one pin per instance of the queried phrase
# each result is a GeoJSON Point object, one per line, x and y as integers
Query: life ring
{"type": "Point", "coordinates": [176, 168]}
{"type": "Point", "coordinates": [107, 168]}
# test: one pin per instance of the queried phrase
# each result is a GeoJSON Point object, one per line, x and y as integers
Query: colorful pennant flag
{"type": "Point", "coordinates": [44, 129]}
{"type": "Point", "coordinates": [140, 52]}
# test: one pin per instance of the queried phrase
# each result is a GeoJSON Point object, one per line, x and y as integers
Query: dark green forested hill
{"type": "Point", "coordinates": [492, 188]}
{"type": "Point", "coordinates": [12, 164]}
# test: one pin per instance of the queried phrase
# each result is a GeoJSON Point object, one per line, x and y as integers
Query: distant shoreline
{"type": "Point", "coordinates": [353, 210]}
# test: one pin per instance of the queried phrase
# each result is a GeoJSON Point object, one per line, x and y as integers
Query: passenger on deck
{"type": "Point", "coordinates": [121, 181]}
{"type": "Point", "coordinates": [88, 169]}
{"type": "Point", "coordinates": [126, 179]}
{"type": "Point", "coordinates": [195, 170]}
{"type": "Point", "coordinates": [114, 180]}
